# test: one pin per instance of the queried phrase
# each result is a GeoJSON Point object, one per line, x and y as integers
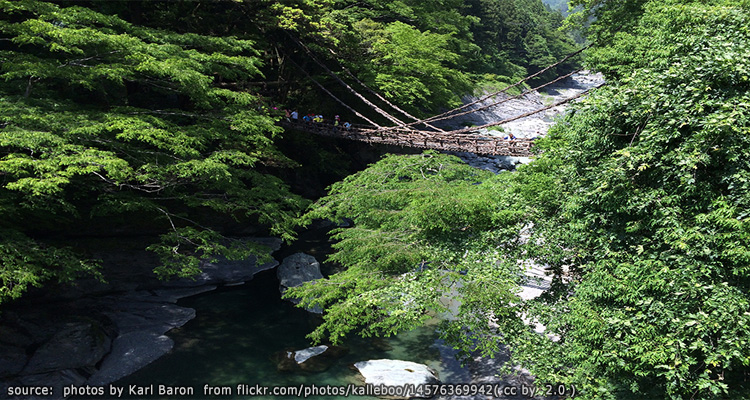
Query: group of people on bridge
{"type": "Point", "coordinates": [315, 120]}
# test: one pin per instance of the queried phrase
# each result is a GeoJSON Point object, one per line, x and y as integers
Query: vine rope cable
{"type": "Point", "coordinates": [332, 95]}
{"type": "Point", "coordinates": [349, 88]}
{"type": "Point", "coordinates": [518, 96]}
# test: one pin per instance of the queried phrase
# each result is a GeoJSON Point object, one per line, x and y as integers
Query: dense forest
{"type": "Point", "coordinates": [160, 116]}
{"type": "Point", "coordinates": [114, 112]}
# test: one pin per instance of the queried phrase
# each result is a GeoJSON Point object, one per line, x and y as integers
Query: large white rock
{"type": "Point", "coordinates": [396, 372]}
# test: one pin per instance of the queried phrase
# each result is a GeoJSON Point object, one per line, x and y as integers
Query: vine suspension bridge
{"type": "Point", "coordinates": [430, 137]}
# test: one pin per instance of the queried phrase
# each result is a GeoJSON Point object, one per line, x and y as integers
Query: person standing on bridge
{"type": "Point", "coordinates": [336, 122]}
{"type": "Point", "coordinates": [295, 116]}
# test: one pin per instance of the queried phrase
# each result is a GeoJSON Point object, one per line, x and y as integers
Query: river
{"type": "Point", "coordinates": [238, 330]}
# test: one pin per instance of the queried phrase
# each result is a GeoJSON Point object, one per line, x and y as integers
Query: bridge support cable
{"type": "Point", "coordinates": [349, 88]}
{"type": "Point", "coordinates": [524, 115]}
{"type": "Point", "coordinates": [485, 97]}
{"type": "Point", "coordinates": [332, 95]}
{"type": "Point", "coordinates": [383, 99]}
{"type": "Point", "coordinates": [518, 96]}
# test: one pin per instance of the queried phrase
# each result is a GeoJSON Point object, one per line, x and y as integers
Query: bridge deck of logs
{"type": "Point", "coordinates": [446, 141]}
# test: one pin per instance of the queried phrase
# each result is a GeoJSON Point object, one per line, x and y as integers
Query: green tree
{"type": "Point", "coordinates": [410, 67]}
{"type": "Point", "coordinates": [103, 118]}
{"type": "Point", "coordinates": [519, 37]}
{"type": "Point", "coordinates": [422, 233]}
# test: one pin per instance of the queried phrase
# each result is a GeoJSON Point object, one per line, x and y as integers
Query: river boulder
{"type": "Point", "coordinates": [223, 271]}
{"type": "Point", "coordinates": [131, 352]}
{"type": "Point", "coordinates": [78, 344]}
{"type": "Point", "coordinates": [396, 373]}
{"type": "Point", "coordinates": [296, 270]}
{"type": "Point", "coordinates": [311, 359]}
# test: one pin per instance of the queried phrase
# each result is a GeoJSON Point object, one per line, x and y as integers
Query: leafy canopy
{"type": "Point", "coordinates": [103, 118]}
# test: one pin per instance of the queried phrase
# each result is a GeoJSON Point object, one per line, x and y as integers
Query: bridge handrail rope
{"type": "Point", "coordinates": [381, 98]}
{"type": "Point", "coordinates": [487, 96]}
{"type": "Point", "coordinates": [452, 133]}
{"type": "Point", "coordinates": [518, 96]}
{"type": "Point", "coordinates": [386, 131]}
{"type": "Point", "coordinates": [382, 112]}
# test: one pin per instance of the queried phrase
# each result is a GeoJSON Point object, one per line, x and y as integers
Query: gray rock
{"type": "Point", "coordinates": [13, 360]}
{"type": "Point", "coordinates": [296, 270]}
{"type": "Point", "coordinates": [230, 271]}
{"type": "Point", "coordinates": [396, 373]}
{"type": "Point", "coordinates": [131, 352]}
{"type": "Point", "coordinates": [78, 344]}
{"type": "Point", "coordinates": [131, 316]}
{"type": "Point", "coordinates": [167, 295]}
{"type": "Point", "coordinates": [303, 355]}
{"type": "Point", "coordinates": [223, 271]}
{"type": "Point", "coordinates": [172, 295]}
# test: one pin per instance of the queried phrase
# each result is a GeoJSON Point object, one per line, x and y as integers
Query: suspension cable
{"type": "Point", "coordinates": [332, 95]}
{"type": "Point", "coordinates": [349, 88]}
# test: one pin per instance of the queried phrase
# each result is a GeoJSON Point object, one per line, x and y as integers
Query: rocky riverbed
{"type": "Point", "coordinates": [94, 333]}
{"type": "Point", "coordinates": [531, 127]}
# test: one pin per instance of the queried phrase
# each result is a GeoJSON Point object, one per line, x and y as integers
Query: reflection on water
{"type": "Point", "coordinates": [238, 330]}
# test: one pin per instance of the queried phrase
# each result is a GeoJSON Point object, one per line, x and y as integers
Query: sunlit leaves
{"type": "Point", "coordinates": [423, 234]}
{"type": "Point", "coordinates": [100, 116]}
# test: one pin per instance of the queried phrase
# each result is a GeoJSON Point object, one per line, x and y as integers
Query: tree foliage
{"type": "Point", "coordinates": [519, 37]}
{"type": "Point", "coordinates": [101, 117]}
{"type": "Point", "coordinates": [656, 218]}
{"type": "Point", "coordinates": [422, 231]}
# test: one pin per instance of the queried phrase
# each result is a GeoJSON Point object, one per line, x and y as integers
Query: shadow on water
{"type": "Point", "coordinates": [238, 330]}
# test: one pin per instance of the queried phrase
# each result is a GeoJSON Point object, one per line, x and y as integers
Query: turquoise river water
{"type": "Point", "coordinates": [238, 330]}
